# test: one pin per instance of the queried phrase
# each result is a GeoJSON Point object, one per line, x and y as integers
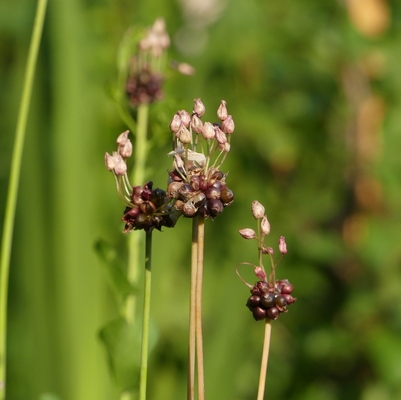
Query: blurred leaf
{"type": "Point", "coordinates": [115, 274]}
{"type": "Point", "coordinates": [122, 342]}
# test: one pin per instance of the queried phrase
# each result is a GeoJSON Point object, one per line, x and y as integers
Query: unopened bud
{"type": "Point", "coordinates": [208, 131]}
{"type": "Point", "coordinates": [120, 167]}
{"type": "Point", "coordinates": [258, 210]}
{"type": "Point", "coordinates": [247, 233]}
{"type": "Point", "coordinates": [185, 69]}
{"type": "Point", "coordinates": [282, 245]}
{"type": "Point", "coordinates": [185, 117]}
{"type": "Point", "coordinates": [222, 111]}
{"type": "Point", "coordinates": [228, 126]}
{"type": "Point", "coordinates": [123, 138]}
{"type": "Point", "coordinates": [184, 136]}
{"type": "Point", "coordinates": [260, 273]}
{"type": "Point", "coordinates": [199, 108]}
{"type": "Point", "coordinates": [175, 124]}
{"type": "Point", "coordinates": [220, 136]}
{"type": "Point", "coordinates": [265, 225]}
{"type": "Point", "coordinates": [109, 162]}
{"type": "Point", "coordinates": [196, 124]}
{"type": "Point", "coordinates": [225, 147]}
{"type": "Point", "coordinates": [125, 150]}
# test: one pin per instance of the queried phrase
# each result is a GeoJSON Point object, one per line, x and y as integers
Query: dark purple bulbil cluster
{"type": "Point", "coordinates": [268, 301]}
{"type": "Point", "coordinates": [204, 194]}
{"type": "Point", "coordinates": [150, 209]}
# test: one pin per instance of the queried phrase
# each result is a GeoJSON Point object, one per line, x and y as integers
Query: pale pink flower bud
{"type": "Point", "coordinates": [109, 162]}
{"type": "Point", "coordinates": [247, 233]}
{"type": "Point", "coordinates": [125, 150]}
{"type": "Point", "coordinates": [196, 124]}
{"type": "Point", "coordinates": [185, 69]}
{"type": "Point", "coordinates": [175, 124]}
{"type": "Point", "coordinates": [258, 209]}
{"type": "Point", "coordinates": [225, 147]}
{"type": "Point", "coordinates": [222, 111]}
{"type": "Point", "coordinates": [260, 273]}
{"type": "Point", "coordinates": [184, 136]}
{"type": "Point", "coordinates": [120, 167]}
{"type": "Point", "coordinates": [282, 245]}
{"type": "Point", "coordinates": [199, 108]}
{"type": "Point", "coordinates": [265, 225]}
{"type": "Point", "coordinates": [208, 131]}
{"type": "Point", "coordinates": [185, 117]}
{"type": "Point", "coordinates": [228, 126]}
{"type": "Point", "coordinates": [123, 138]}
{"type": "Point", "coordinates": [220, 136]}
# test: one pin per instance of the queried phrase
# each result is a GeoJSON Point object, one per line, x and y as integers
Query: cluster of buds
{"type": "Point", "coordinates": [196, 183]}
{"type": "Point", "coordinates": [145, 80]}
{"type": "Point", "coordinates": [269, 296]}
{"type": "Point", "coordinates": [146, 208]}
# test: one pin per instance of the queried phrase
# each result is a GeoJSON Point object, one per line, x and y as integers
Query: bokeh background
{"type": "Point", "coordinates": [315, 91]}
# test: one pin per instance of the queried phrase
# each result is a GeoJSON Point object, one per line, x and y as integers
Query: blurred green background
{"type": "Point", "coordinates": [315, 91]}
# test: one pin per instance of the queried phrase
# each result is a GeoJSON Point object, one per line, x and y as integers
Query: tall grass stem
{"type": "Point", "coordinates": [265, 358]}
{"type": "Point", "coordinates": [11, 202]}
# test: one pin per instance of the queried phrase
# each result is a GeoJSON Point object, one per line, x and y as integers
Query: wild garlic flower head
{"type": "Point", "coordinates": [196, 182]}
{"type": "Point", "coordinates": [269, 296]}
{"type": "Point", "coordinates": [145, 208]}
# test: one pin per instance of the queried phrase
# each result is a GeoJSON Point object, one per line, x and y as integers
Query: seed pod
{"type": "Point", "coordinates": [186, 191]}
{"type": "Point", "coordinates": [189, 209]}
{"type": "Point", "coordinates": [132, 212]}
{"type": "Point", "coordinates": [173, 190]}
{"type": "Point", "coordinates": [147, 207]}
{"type": "Point", "coordinates": [227, 196]}
{"type": "Point", "coordinates": [213, 192]}
{"type": "Point", "coordinates": [259, 313]}
{"type": "Point", "coordinates": [215, 207]}
{"type": "Point", "coordinates": [280, 301]}
{"type": "Point", "coordinates": [198, 199]}
{"type": "Point", "coordinates": [262, 286]}
{"type": "Point", "coordinates": [289, 299]}
{"type": "Point", "coordinates": [273, 313]}
{"type": "Point", "coordinates": [253, 301]}
{"type": "Point", "coordinates": [286, 287]}
{"type": "Point", "coordinates": [268, 300]}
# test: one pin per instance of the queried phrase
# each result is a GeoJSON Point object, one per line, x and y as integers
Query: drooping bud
{"type": "Point", "coordinates": [247, 233]}
{"type": "Point", "coordinates": [175, 124]}
{"type": "Point", "coordinates": [258, 210]}
{"type": "Point", "coordinates": [222, 111]}
{"type": "Point", "coordinates": [199, 108]}
{"type": "Point", "coordinates": [282, 245]}
{"type": "Point", "coordinates": [228, 126]}
{"type": "Point", "coordinates": [265, 225]}
{"type": "Point", "coordinates": [208, 131]}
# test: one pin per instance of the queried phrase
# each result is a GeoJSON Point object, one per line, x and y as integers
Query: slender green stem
{"type": "Point", "coordinates": [146, 317]}
{"type": "Point", "coordinates": [198, 311]}
{"type": "Point", "coordinates": [192, 311]}
{"type": "Point", "coordinates": [14, 182]}
{"type": "Point", "coordinates": [265, 358]}
{"type": "Point", "coordinates": [137, 179]}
